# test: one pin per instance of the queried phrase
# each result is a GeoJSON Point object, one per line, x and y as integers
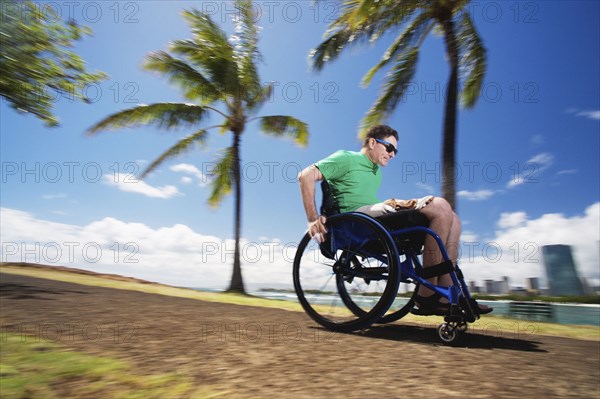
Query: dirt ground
{"type": "Point", "coordinates": [258, 353]}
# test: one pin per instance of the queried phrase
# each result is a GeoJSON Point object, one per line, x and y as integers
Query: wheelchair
{"type": "Point", "coordinates": [353, 278]}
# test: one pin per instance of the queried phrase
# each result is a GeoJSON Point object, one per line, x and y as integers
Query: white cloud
{"type": "Point", "coordinates": [590, 114]}
{"type": "Point", "coordinates": [515, 250]}
{"type": "Point", "coordinates": [537, 140]}
{"type": "Point", "coordinates": [567, 172]}
{"type": "Point", "coordinates": [203, 180]}
{"type": "Point", "coordinates": [516, 181]}
{"type": "Point", "coordinates": [468, 236]}
{"type": "Point", "coordinates": [180, 256]}
{"type": "Point", "coordinates": [529, 171]}
{"type": "Point", "coordinates": [426, 188]}
{"type": "Point", "coordinates": [126, 182]}
{"type": "Point", "coordinates": [175, 255]}
{"type": "Point", "coordinates": [479, 195]}
{"type": "Point", "coordinates": [54, 196]}
{"type": "Point", "coordinates": [512, 219]}
{"type": "Point", "coordinates": [542, 161]}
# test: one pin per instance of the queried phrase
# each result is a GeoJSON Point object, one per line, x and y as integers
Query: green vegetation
{"type": "Point", "coordinates": [31, 368]}
{"type": "Point", "coordinates": [37, 62]}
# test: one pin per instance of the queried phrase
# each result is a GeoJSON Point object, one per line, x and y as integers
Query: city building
{"type": "Point", "coordinates": [497, 287]}
{"type": "Point", "coordinates": [560, 269]}
{"type": "Point", "coordinates": [533, 285]}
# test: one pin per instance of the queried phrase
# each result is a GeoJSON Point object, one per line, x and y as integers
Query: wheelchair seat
{"type": "Point", "coordinates": [412, 242]}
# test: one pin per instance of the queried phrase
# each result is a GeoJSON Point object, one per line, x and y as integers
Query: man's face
{"type": "Point", "coordinates": [379, 150]}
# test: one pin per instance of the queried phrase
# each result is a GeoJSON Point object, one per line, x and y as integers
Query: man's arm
{"type": "Point", "coordinates": [307, 179]}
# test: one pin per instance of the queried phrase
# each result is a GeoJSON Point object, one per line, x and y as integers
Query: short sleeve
{"type": "Point", "coordinates": [334, 166]}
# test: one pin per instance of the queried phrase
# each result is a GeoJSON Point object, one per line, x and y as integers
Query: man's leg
{"type": "Point", "coordinates": [451, 243]}
{"type": "Point", "coordinates": [446, 224]}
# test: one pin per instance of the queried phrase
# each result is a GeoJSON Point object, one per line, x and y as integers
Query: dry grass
{"type": "Point", "coordinates": [520, 328]}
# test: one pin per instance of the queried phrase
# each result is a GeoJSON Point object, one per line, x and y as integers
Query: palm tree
{"type": "Point", "coordinates": [212, 70]}
{"type": "Point", "coordinates": [362, 20]}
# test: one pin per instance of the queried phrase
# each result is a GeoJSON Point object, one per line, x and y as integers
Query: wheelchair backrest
{"type": "Point", "coordinates": [329, 205]}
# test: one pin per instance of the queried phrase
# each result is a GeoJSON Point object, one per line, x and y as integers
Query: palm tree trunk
{"type": "Point", "coordinates": [449, 134]}
{"type": "Point", "coordinates": [237, 283]}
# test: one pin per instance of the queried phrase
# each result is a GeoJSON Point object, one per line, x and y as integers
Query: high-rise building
{"type": "Point", "coordinates": [533, 284]}
{"type": "Point", "coordinates": [497, 287]}
{"type": "Point", "coordinates": [504, 285]}
{"type": "Point", "coordinates": [490, 287]}
{"type": "Point", "coordinates": [561, 271]}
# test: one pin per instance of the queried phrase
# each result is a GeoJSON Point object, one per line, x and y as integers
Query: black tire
{"type": "Point", "coordinates": [348, 282]}
{"type": "Point", "coordinates": [451, 333]}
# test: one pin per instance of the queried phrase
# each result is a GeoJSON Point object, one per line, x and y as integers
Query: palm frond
{"type": "Point", "coordinates": [179, 148]}
{"type": "Point", "coordinates": [281, 125]}
{"type": "Point", "coordinates": [394, 88]}
{"type": "Point", "coordinates": [473, 60]}
{"type": "Point", "coordinates": [360, 21]}
{"type": "Point", "coordinates": [247, 55]}
{"type": "Point", "coordinates": [210, 51]}
{"type": "Point", "coordinates": [257, 95]}
{"type": "Point", "coordinates": [194, 84]}
{"type": "Point", "coordinates": [163, 115]}
{"type": "Point", "coordinates": [414, 33]}
{"type": "Point", "coordinates": [218, 65]}
{"type": "Point", "coordinates": [208, 35]}
{"type": "Point", "coordinates": [376, 17]}
{"type": "Point", "coordinates": [330, 48]}
{"type": "Point", "coordinates": [246, 43]}
{"type": "Point", "coordinates": [222, 178]}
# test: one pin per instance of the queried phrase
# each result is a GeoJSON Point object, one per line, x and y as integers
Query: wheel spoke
{"type": "Point", "coordinates": [355, 288]}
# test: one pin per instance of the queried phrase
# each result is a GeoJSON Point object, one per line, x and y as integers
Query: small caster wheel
{"type": "Point", "coordinates": [448, 332]}
{"type": "Point", "coordinates": [462, 326]}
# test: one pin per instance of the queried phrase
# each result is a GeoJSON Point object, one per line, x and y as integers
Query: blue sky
{"type": "Point", "coordinates": [528, 152]}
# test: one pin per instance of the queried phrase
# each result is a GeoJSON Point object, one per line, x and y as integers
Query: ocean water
{"type": "Point", "coordinates": [562, 313]}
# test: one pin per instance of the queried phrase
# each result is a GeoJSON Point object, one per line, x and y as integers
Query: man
{"type": "Point", "coordinates": [354, 178]}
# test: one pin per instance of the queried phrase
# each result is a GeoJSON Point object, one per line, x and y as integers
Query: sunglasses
{"type": "Point", "coordinates": [389, 147]}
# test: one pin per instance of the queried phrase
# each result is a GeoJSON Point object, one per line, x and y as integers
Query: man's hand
{"type": "Point", "coordinates": [317, 229]}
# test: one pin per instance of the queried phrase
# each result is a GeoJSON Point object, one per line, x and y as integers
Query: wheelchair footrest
{"type": "Point", "coordinates": [455, 314]}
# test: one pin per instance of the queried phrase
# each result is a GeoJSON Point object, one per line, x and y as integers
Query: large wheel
{"type": "Point", "coordinates": [348, 282]}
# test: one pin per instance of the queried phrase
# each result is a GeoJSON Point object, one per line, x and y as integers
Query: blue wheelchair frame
{"type": "Point", "coordinates": [354, 235]}
{"type": "Point", "coordinates": [411, 267]}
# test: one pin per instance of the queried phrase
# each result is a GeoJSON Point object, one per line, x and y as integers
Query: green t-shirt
{"type": "Point", "coordinates": [353, 178]}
